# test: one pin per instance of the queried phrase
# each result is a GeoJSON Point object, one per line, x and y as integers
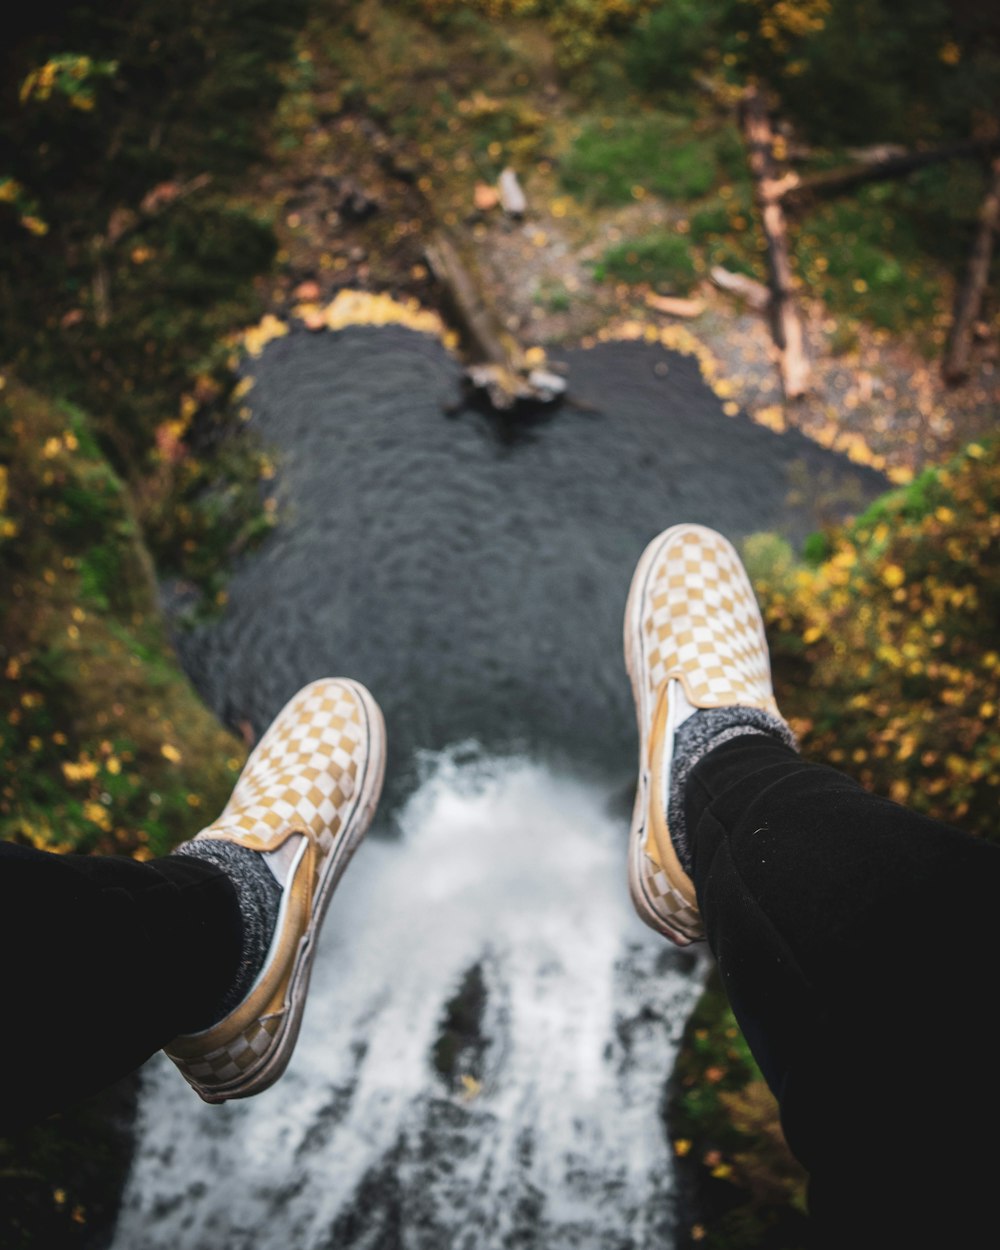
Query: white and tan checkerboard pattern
{"type": "Point", "coordinates": [302, 773]}
{"type": "Point", "coordinates": [668, 902]}
{"type": "Point", "coordinates": [228, 1063]}
{"type": "Point", "coordinates": [317, 773]}
{"type": "Point", "coordinates": [701, 622]}
{"type": "Point", "coordinates": [692, 619]}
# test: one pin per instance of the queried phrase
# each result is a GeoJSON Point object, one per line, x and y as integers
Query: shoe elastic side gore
{"type": "Point", "coordinates": [315, 777]}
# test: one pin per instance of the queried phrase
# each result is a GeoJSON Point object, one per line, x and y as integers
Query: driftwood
{"type": "Point", "coordinates": [786, 323]}
{"type": "Point", "coordinates": [483, 335]}
{"type": "Point", "coordinates": [874, 153]}
{"type": "Point", "coordinates": [674, 306]}
{"type": "Point", "coordinates": [955, 365]}
{"type": "Point", "coordinates": [753, 293]}
{"type": "Point", "coordinates": [499, 366]}
{"type": "Point", "coordinates": [800, 192]}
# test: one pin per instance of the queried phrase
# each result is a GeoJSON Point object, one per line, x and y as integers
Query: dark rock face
{"type": "Point", "coordinates": [475, 577]}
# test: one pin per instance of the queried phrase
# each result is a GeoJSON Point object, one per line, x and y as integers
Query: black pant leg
{"type": "Point", "coordinates": [105, 960]}
{"type": "Point", "coordinates": [859, 945]}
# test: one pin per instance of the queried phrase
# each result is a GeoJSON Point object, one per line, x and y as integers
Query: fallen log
{"type": "Point", "coordinates": [483, 335]}
{"type": "Point", "coordinates": [955, 365]}
{"type": "Point", "coordinates": [755, 294]}
{"type": "Point", "coordinates": [801, 192]}
{"type": "Point", "coordinates": [498, 364]}
{"type": "Point", "coordinates": [786, 324]}
{"type": "Point", "coordinates": [674, 306]}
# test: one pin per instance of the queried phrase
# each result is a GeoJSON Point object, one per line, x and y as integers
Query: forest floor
{"type": "Point", "coordinates": [390, 129]}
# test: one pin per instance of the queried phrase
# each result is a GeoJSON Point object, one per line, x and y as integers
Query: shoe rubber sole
{"type": "Point", "coordinates": [635, 662]}
{"type": "Point", "coordinates": [369, 788]}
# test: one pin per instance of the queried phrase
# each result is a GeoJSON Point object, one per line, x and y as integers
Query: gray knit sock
{"type": "Point", "coordinates": [259, 896]}
{"type": "Point", "coordinates": [707, 729]}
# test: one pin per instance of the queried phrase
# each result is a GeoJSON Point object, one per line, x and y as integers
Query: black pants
{"type": "Point", "coordinates": [859, 945]}
{"type": "Point", "coordinates": [104, 961]}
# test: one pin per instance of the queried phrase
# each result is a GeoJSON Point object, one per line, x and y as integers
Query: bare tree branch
{"type": "Point", "coordinates": [955, 365]}
{"type": "Point", "coordinates": [786, 323]}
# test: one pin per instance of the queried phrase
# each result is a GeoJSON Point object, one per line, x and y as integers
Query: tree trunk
{"type": "Point", "coordinates": [799, 192]}
{"type": "Point", "coordinates": [785, 320]}
{"type": "Point", "coordinates": [969, 302]}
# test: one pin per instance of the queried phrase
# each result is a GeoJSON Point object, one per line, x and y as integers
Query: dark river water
{"type": "Point", "coordinates": [490, 1032]}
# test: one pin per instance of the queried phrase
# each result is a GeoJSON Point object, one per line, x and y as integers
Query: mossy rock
{"type": "Point", "coordinates": [104, 745]}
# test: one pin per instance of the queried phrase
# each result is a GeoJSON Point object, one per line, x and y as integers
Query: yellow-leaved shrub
{"type": "Point", "coordinates": [887, 652]}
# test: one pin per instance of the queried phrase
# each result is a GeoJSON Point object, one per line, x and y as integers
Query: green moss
{"type": "Point", "coordinates": [710, 219]}
{"type": "Point", "coordinates": [671, 42]}
{"type": "Point", "coordinates": [663, 260]}
{"type": "Point", "coordinates": [863, 257]}
{"type": "Point", "coordinates": [151, 257]}
{"type": "Point", "coordinates": [103, 745]}
{"type": "Point", "coordinates": [553, 297]}
{"type": "Point", "coordinates": [656, 151]}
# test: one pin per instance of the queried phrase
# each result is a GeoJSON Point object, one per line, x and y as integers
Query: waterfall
{"type": "Point", "coordinates": [484, 1053]}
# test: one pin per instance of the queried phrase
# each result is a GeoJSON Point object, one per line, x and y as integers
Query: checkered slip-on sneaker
{"type": "Point", "coordinates": [691, 623]}
{"type": "Point", "coordinates": [315, 776]}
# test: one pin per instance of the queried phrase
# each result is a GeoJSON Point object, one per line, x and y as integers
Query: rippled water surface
{"type": "Point", "coordinates": [490, 1030]}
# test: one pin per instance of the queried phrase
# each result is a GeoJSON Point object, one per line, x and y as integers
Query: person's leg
{"type": "Point", "coordinates": [858, 944]}
{"type": "Point", "coordinates": [105, 961]}
{"type": "Point", "coordinates": [206, 953]}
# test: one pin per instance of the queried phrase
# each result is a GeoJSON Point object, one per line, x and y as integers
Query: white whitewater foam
{"type": "Point", "coordinates": [500, 863]}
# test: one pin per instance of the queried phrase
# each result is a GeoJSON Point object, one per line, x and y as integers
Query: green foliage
{"type": "Point", "coordinates": [711, 219]}
{"type": "Point", "coordinates": [663, 260]}
{"type": "Point", "coordinates": [672, 41]}
{"type": "Point", "coordinates": [886, 653]}
{"type": "Point", "coordinates": [863, 258]}
{"type": "Point", "coordinates": [724, 228]}
{"type": "Point", "coordinates": [143, 256]}
{"type": "Point", "coordinates": [75, 78]}
{"type": "Point", "coordinates": [22, 205]}
{"type": "Point", "coordinates": [613, 156]}
{"type": "Point", "coordinates": [865, 70]}
{"type": "Point", "coordinates": [103, 745]}
{"type": "Point", "coordinates": [850, 71]}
